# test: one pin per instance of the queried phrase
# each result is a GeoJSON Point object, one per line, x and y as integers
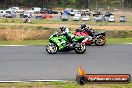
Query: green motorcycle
{"type": "Point", "coordinates": [59, 43]}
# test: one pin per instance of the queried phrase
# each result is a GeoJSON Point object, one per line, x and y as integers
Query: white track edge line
{"type": "Point", "coordinates": [129, 43]}
{"type": "Point", "coordinates": [15, 45]}
{"type": "Point", "coordinates": [36, 81]}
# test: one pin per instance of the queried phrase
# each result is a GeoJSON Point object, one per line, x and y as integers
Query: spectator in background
{"type": "Point", "coordinates": [26, 20]}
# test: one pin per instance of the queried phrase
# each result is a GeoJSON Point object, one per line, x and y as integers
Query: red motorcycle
{"type": "Point", "coordinates": [98, 38]}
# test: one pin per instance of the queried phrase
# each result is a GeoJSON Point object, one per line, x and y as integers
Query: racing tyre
{"type": "Point", "coordinates": [51, 48]}
{"type": "Point", "coordinates": [81, 80]}
{"type": "Point", "coordinates": [80, 48]}
{"type": "Point", "coordinates": [100, 41]}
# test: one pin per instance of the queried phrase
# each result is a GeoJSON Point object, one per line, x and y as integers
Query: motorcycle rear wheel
{"type": "Point", "coordinates": [100, 40]}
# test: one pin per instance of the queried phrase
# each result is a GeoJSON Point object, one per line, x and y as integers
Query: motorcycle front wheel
{"type": "Point", "coordinates": [51, 48]}
{"type": "Point", "coordinates": [80, 48]}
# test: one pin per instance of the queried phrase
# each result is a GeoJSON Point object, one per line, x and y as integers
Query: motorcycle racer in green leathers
{"type": "Point", "coordinates": [64, 40]}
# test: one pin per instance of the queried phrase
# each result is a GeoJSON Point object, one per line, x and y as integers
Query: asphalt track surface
{"type": "Point", "coordinates": [23, 63]}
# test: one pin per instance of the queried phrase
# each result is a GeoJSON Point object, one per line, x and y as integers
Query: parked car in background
{"type": "Point", "coordinates": [27, 14]}
{"type": "Point", "coordinates": [85, 12]}
{"type": "Point", "coordinates": [97, 13]}
{"type": "Point", "coordinates": [30, 11]}
{"type": "Point", "coordinates": [17, 9]}
{"type": "Point", "coordinates": [67, 11]}
{"type": "Point", "coordinates": [98, 18]}
{"type": "Point", "coordinates": [77, 12]}
{"type": "Point", "coordinates": [36, 9]}
{"type": "Point", "coordinates": [49, 11]}
{"type": "Point", "coordinates": [14, 8]}
{"type": "Point", "coordinates": [2, 13]}
{"type": "Point", "coordinates": [86, 18]}
{"type": "Point", "coordinates": [72, 13]}
{"type": "Point", "coordinates": [77, 15]}
{"type": "Point", "coordinates": [43, 9]}
{"type": "Point", "coordinates": [111, 18]}
{"type": "Point", "coordinates": [10, 13]}
{"type": "Point", "coordinates": [122, 19]}
{"type": "Point", "coordinates": [64, 17]}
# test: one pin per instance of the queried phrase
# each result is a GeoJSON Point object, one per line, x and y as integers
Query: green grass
{"type": "Point", "coordinates": [45, 42]}
{"type": "Point", "coordinates": [91, 22]}
{"type": "Point", "coordinates": [25, 42]}
{"type": "Point", "coordinates": [118, 40]}
{"type": "Point", "coordinates": [22, 26]}
{"type": "Point", "coordinates": [10, 20]}
{"type": "Point", "coordinates": [61, 85]}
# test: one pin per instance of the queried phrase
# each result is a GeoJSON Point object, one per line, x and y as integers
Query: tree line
{"type": "Point", "coordinates": [68, 3]}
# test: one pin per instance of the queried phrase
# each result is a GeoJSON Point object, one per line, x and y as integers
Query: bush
{"type": "Point", "coordinates": [31, 33]}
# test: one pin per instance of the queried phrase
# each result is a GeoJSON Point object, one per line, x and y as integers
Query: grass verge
{"type": "Point", "coordinates": [45, 42]}
{"type": "Point", "coordinates": [61, 85]}
{"type": "Point", "coordinates": [25, 42]}
{"type": "Point", "coordinates": [118, 40]}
